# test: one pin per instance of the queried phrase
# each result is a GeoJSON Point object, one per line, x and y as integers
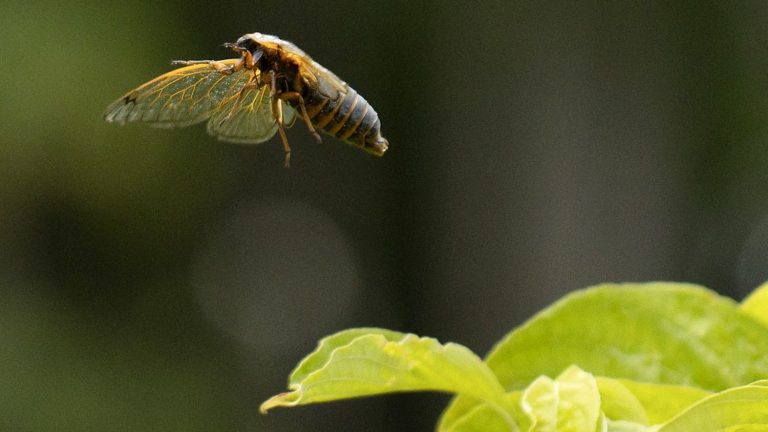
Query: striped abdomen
{"type": "Point", "coordinates": [349, 117]}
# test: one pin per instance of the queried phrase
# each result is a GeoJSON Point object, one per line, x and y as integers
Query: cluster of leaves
{"type": "Point", "coordinates": [630, 357]}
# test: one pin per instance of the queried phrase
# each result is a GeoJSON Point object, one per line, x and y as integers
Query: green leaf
{"type": "Point", "coordinates": [465, 414]}
{"type": "Point", "coordinates": [619, 403]}
{"type": "Point", "coordinates": [468, 414]}
{"type": "Point", "coordinates": [756, 304]}
{"type": "Point", "coordinates": [626, 426]}
{"type": "Point", "coordinates": [667, 333]}
{"type": "Point", "coordinates": [738, 409]}
{"type": "Point", "coordinates": [328, 344]}
{"type": "Point", "coordinates": [661, 402]}
{"type": "Point", "coordinates": [571, 403]}
{"type": "Point", "coordinates": [461, 414]}
{"type": "Point", "coordinates": [626, 405]}
{"type": "Point", "coordinates": [479, 416]}
{"type": "Point", "coordinates": [354, 363]}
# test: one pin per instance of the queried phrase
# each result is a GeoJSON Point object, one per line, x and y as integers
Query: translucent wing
{"type": "Point", "coordinates": [180, 97]}
{"type": "Point", "coordinates": [248, 118]}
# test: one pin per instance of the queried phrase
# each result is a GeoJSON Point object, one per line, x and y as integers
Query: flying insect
{"type": "Point", "coordinates": [250, 98]}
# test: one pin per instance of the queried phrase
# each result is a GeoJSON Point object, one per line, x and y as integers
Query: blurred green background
{"type": "Point", "coordinates": [158, 280]}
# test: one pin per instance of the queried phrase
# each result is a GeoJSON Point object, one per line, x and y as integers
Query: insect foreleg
{"type": "Point", "coordinates": [296, 98]}
{"type": "Point", "coordinates": [219, 66]}
{"type": "Point", "coordinates": [272, 84]}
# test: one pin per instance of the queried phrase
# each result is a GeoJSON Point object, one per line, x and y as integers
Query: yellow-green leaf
{"type": "Point", "coordinates": [756, 304]}
{"type": "Point", "coordinates": [667, 333]}
{"type": "Point", "coordinates": [375, 363]}
{"type": "Point", "coordinates": [626, 426]}
{"type": "Point", "coordinates": [570, 403]}
{"type": "Point", "coordinates": [742, 408]}
{"type": "Point", "coordinates": [619, 403]}
{"type": "Point", "coordinates": [661, 402]}
{"type": "Point", "coordinates": [328, 344]}
{"type": "Point", "coordinates": [480, 417]}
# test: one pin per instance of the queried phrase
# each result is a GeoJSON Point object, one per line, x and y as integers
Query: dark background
{"type": "Point", "coordinates": [158, 280]}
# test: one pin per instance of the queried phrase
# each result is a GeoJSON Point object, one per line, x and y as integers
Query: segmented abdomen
{"type": "Point", "coordinates": [349, 117]}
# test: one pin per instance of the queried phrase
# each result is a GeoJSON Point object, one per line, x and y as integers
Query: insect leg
{"type": "Point", "coordinates": [219, 66]}
{"type": "Point", "coordinates": [296, 98]}
{"type": "Point", "coordinates": [277, 113]}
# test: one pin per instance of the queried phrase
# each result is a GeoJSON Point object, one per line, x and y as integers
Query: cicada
{"type": "Point", "coordinates": [250, 98]}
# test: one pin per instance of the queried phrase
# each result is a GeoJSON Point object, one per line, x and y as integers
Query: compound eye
{"type": "Point", "coordinates": [247, 44]}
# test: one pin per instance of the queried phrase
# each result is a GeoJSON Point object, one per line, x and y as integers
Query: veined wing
{"type": "Point", "coordinates": [248, 118]}
{"type": "Point", "coordinates": [181, 97]}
